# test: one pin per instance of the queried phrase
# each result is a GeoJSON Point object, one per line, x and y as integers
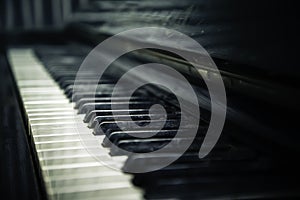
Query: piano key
{"type": "Point", "coordinates": [153, 144]}
{"type": "Point", "coordinates": [79, 95]}
{"type": "Point", "coordinates": [83, 101]}
{"type": "Point", "coordinates": [85, 87]}
{"type": "Point", "coordinates": [49, 114]}
{"type": "Point", "coordinates": [135, 117]}
{"type": "Point", "coordinates": [116, 136]}
{"type": "Point", "coordinates": [64, 83]}
{"type": "Point", "coordinates": [109, 194]}
{"type": "Point", "coordinates": [94, 113]}
{"type": "Point", "coordinates": [88, 107]}
{"type": "Point", "coordinates": [110, 126]}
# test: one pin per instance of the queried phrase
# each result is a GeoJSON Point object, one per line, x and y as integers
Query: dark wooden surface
{"type": "Point", "coordinates": [18, 179]}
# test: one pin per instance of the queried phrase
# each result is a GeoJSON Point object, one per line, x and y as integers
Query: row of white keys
{"type": "Point", "coordinates": [69, 171]}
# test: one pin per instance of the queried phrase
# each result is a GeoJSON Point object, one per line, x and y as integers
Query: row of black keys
{"type": "Point", "coordinates": [230, 169]}
{"type": "Point", "coordinates": [97, 107]}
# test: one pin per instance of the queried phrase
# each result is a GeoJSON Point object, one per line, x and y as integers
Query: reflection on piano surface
{"type": "Point", "coordinates": [255, 156]}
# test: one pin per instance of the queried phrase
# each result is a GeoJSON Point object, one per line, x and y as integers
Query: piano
{"type": "Point", "coordinates": [59, 138]}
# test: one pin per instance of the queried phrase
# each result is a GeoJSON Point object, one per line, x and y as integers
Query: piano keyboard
{"type": "Point", "coordinates": [68, 170]}
{"type": "Point", "coordinates": [57, 117]}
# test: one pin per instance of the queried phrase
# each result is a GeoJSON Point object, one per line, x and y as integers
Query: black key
{"type": "Point", "coordinates": [135, 117]}
{"type": "Point", "coordinates": [105, 88]}
{"type": "Point", "coordinates": [65, 83]}
{"type": "Point", "coordinates": [94, 113]}
{"type": "Point", "coordinates": [79, 95]}
{"type": "Point", "coordinates": [116, 136]}
{"type": "Point", "coordinates": [82, 101]}
{"type": "Point", "coordinates": [223, 159]}
{"type": "Point", "coordinates": [88, 107]}
{"type": "Point", "coordinates": [153, 144]}
{"type": "Point", "coordinates": [111, 126]}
